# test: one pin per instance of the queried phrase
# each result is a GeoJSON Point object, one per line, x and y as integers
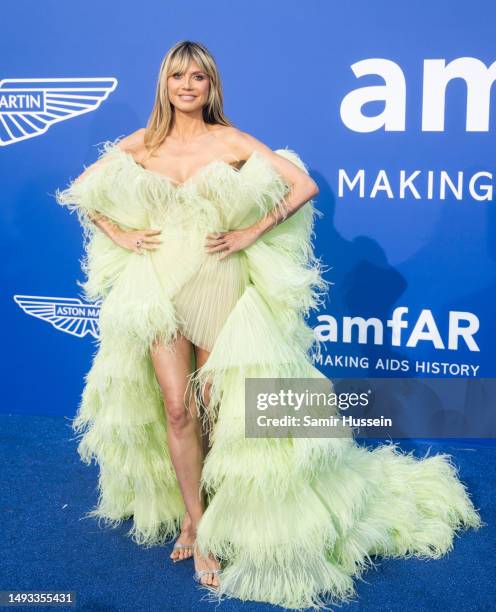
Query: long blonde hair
{"type": "Point", "coordinates": [162, 115]}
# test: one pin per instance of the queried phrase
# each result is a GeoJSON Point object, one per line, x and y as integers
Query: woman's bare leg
{"type": "Point", "coordinates": [202, 562]}
{"type": "Point", "coordinates": [183, 433]}
{"type": "Point", "coordinates": [184, 437]}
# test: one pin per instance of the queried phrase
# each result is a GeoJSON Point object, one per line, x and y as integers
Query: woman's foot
{"type": "Point", "coordinates": [183, 548]}
{"type": "Point", "coordinates": [204, 568]}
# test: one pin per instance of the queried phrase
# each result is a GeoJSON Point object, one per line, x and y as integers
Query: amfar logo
{"type": "Point", "coordinates": [437, 74]}
{"type": "Point", "coordinates": [462, 326]}
{"type": "Point", "coordinates": [28, 107]}
{"type": "Point", "coordinates": [69, 315]}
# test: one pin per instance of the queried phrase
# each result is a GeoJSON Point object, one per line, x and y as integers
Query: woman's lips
{"type": "Point", "coordinates": [187, 98]}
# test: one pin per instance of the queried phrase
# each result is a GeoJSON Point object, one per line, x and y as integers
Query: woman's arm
{"type": "Point", "coordinates": [128, 143]}
{"type": "Point", "coordinates": [132, 240]}
{"type": "Point", "coordinates": [101, 221]}
{"type": "Point", "coordinates": [303, 189]}
{"type": "Point", "coordinates": [107, 226]}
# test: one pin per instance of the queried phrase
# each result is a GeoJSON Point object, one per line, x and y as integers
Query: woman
{"type": "Point", "coordinates": [199, 246]}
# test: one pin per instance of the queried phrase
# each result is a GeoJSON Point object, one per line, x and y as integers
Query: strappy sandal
{"type": "Point", "coordinates": [200, 573]}
{"type": "Point", "coordinates": [178, 546]}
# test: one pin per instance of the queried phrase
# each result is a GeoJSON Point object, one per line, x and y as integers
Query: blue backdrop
{"type": "Point", "coordinates": [389, 107]}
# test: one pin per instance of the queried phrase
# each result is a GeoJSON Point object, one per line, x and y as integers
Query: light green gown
{"type": "Point", "coordinates": [293, 521]}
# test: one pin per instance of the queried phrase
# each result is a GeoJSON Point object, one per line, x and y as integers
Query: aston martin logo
{"type": "Point", "coordinates": [28, 107]}
{"type": "Point", "coordinates": [69, 315]}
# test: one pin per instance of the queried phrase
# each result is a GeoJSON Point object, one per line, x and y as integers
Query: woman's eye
{"type": "Point", "coordinates": [178, 75]}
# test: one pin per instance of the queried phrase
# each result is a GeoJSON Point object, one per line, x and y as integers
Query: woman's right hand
{"type": "Point", "coordinates": [131, 239]}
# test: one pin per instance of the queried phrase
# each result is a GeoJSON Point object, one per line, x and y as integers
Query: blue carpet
{"type": "Point", "coordinates": [47, 546]}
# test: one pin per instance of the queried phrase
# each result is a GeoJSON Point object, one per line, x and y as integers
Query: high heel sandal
{"type": "Point", "coordinates": [197, 576]}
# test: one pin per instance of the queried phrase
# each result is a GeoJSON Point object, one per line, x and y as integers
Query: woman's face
{"type": "Point", "coordinates": [189, 91]}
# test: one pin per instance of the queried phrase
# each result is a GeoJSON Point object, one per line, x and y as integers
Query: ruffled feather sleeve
{"type": "Point", "coordinates": [282, 262]}
{"type": "Point", "coordinates": [105, 190]}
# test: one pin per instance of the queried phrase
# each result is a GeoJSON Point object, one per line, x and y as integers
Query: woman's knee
{"type": "Point", "coordinates": [179, 411]}
{"type": "Point", "coordinates": [177, 417]}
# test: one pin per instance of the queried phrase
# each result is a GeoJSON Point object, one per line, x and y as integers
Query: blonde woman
{"type": "Point", "coordinates": [199, 248]}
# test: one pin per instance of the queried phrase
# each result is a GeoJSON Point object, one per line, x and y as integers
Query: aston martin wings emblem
{"type": "Point", "coordinates": [28, 107]}
{"type": "Point", "coordinates": [70, 315]}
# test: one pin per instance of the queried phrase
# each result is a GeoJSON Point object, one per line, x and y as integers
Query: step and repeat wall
{"type": "Point", "coordinates": [391, 106]}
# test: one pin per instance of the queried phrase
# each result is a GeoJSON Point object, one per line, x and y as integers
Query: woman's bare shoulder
{"type": "Point", "coordinates": [246, 144]}
{"type": "Point", "coordinates": [239, 142]}
{"type": "Point", "coordinates": [243, 143]}
{"type": "Point", "coordinates": [228, 134]}
{"type": "Point", "coordinates": [132, 143]}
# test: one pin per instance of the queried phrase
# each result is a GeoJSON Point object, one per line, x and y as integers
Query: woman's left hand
{"type": "Point", "coordinates": [231, 241]}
